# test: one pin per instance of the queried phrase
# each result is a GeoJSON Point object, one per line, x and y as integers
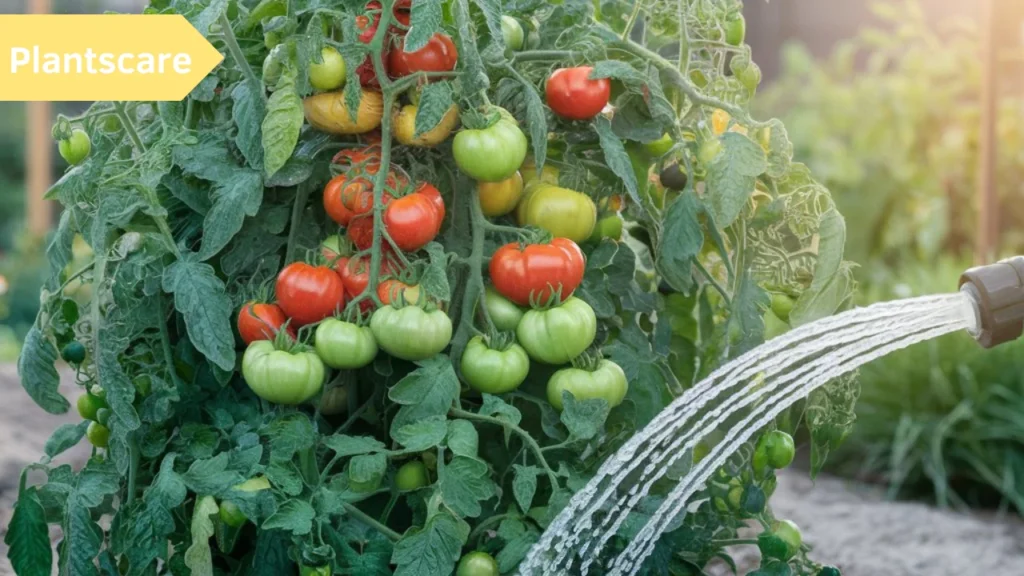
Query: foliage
{"type": "Point", "coordinates": [890, 123]}
{"type": "Point", "coordinates": [191, 207]}
{"type": "Point", "coordinates": [940, 420]}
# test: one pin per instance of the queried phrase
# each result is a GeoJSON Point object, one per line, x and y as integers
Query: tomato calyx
{"type": "Point", "coordinates": [589, 360]}
{"type": "Point", "coordinates": [499, 340]}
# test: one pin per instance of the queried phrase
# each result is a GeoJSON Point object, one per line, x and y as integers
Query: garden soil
{"type": "Point", "coordinates": [849, 525]}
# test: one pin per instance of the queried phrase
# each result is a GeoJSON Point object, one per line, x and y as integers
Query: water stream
{"type": "Point", "coordinates": [755, 388]}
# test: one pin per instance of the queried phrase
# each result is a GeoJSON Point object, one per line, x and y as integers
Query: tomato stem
{"type": "Point", "coordinates": [370, 521]}
{"type": "Point", "coordinates": [133, 467]}
{"type": "Point", "coordinates": [129, 127]}
{"type": "Point", "coordinates": [239, 57]}
{"type": "Point", "coordinates": [527, 439]}
{"type": "Point", "coordinates": [301, 198]}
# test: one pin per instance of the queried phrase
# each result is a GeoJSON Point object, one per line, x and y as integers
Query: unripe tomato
{"type": "Point", "coordinates": [73, 352]}
{"type": "Point", "coordinates": [735, 28]}
{"type": "Point", "coordinates": [308, 294]}
{"type": "Point", "coordinates": [490, 154]}
{"type": "Point", "coordinates": [314, 570]}
{"type": "Point", "coordinates": [573, 95]}
{"type": "Point", "coordinates": [258, 321]}
{"type": "Point", "coordinates": [503, 312]}
{"type": "Point", "coordinates": [344, 345]}
{"type": "Point", "coordinates": [231, 514]}
{"type": "Point", "coordinates": [673, 177]}
{"type": "Point", "coordinates": [88, 405]}
{"type": "Point", "coordinates": [608, 227]}
{"type": "Point", "coordinates": [775, 450]}
{"type": "Point", "coordinates": [512, 32]}
{"type": "Point", "coordinates": [282, 377]}
{"type": "Point", "coordinates": [403, 126]}
{"type": "Point", "coordinates": [75, 149]}
{"type": "Point", "coordinates": [500, 198]}
{"type": "Point", "coordinates": [558, 334]}
{"type": "Point", "coordinates": [608, 381]}
{"type": "Point", "coordinates": [330, 73]}
{"type": "Point", "coordinates": [549, 174]}
{"type": "Point", "coordinates": [782, 305]}
{"type": "Point", "coordinates": [411, 476]}
{"type": "Point", "coordinates": [411, 333]}
{"type": "Point", "coordinates": [709, 151]}
{"type": "Point", "coordinates": [658, 148]}
{"type": "Point", "coordinates": [494, 371]}
{"type": "Point", "coordinates": [103, 416]}
{"type": "Point", "coordinates": [563, 212]}
{"type": "Point", "coordinates": [789, 533]}
{"type": "Point", "coordinates": [478, 564]}
{"type": "Point", "coordinates": [98, 435]}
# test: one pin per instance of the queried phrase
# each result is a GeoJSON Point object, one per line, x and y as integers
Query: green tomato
{"type": "Point", "coordinates": [563, 212]}
{"type": "Point", "coordinates": [735, 28]}
{"type": "Point", "coordinates": [111, 123]}
{"type": "Point", "coordinates": [829, 571]}
{"type": "Point", "coordinates": [330, 73]}
{"type": "Point", "coordinates": [75, 149]}
{"type": "Point", "coordinates": [334, 401]}
{"type": "Point", "coordinates": [659, 147]}
{"type": "Point", "coordinates": [512, 31]}
{"type": "Point", "coordinates": [782, 305]}
{"type": "Point", "coordinates": [282, 377]}
{"type": "Point", "coordinates": [411, 333]}
{"type": "Point", "coordinates": [789, 533]}
{"type": "Point", "coordinates": [747, 72]}
{"type": "Point", "coordinates": [73, 353]}
{"type": "Point", "coordinates": [494, 371]}
{"type": "Point", "coordinates": [477, 564]}
{"type": "Point", "coordinates": [98, 434]}
{"type": "Point", "coordinates": [559, 334]}
{"type": "Point", "coordinates": [775, 450]}
{"type": "Point", "coordinates": [345, 345]}
{"type": "Point", "coordinates": [88, 405]}
{"type": "Point", "coordinates": [607, 227]}
{"type": "Point", "coordinates": [608, 381]}
{"type": "Point", "coordinates": [231, 514]}
{"type": "Point", "coordinates": [103, 416]}
{"type": "Point", "coordinates": [412, 476]}
{"type": "Point", "coordinates": [314, 571]}
{"type": "Point", "coordinates": [490, 154]}
{"type": "Point", "coordinates": [503, 312]}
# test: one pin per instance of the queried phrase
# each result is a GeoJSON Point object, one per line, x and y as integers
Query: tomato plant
{"type": "Point", "coordinates": [432, 295]}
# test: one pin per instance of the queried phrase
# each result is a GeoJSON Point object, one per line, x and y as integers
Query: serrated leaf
{"type": "Point", "coordinates": [290, 434]}
{"type": "Point", "coordinates": [64, 437]}
{"type": "Point", "coordinates": [492, 16]}
{"type": "Point", "coordinates": [519, 538]}
{"type": "Point", "coordinates": [748, 306]}
{"type": "Point", "coordinates": [731, 177]}
{"type": "Point", "coordinates": [248, 111]}
{"type": "Point", "coordinates": [81, 544]}
{"type": "Point", "coordinates": [211, 476]}
{"type": "Point", "coordinates": [616, 157]}
{"type": "Point", "coordinates": [435, 101]}
{"type": "Point", "coordinates": [620, 71]}
{"type": "Point", "coordinates": [537, 124]}
{"type": "Point", "coordinates": [434, 280]}
{"type": "Point", "coordinates": [233, 200]}
{"type": "Point", "coordinates": [424, 22]}
{"type": "Point", "coordinates": [38, 372]}
{"type": "Point", "coordinates": [681, 242]}
{"type": "Point", "coordinates": [421, 435]}
{"type": "Point", "coordinates": [199, 557]}
{"type": "Point", "coordinates": [495, 406]}
{"type": "Point", "coordinates": [368, 468]}
{"type": "Point", "coordinates": [524, 485]}
{"type": "Point", "coordinates": [463, 439]}
{"type": "Point", "coordinates": [353, 445]}
{"type": "Point", "coordinates": [474, 78]}
{"type": "Point", "coordinates": [295, 516]}
{"type": "Point", "coordinates": [281, 126]}
{"type": "Point", "coordinates": [584, 418]}
{"type": "Point", "coordinates": [780, 149]}
{"type": "Point", "coordinates": [201, 298]}
{"type": "Point", "coordinates": [28, 538]}
{"type": "Point", "coordinates": [425, 392]}
{"type": "Point", "coordinates": [465, 482]}
{"type": "Point", "coordinates": [432, 550]}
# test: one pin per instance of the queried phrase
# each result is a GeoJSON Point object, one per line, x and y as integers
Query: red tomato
{"type": "Point", "coordinates": [367, 25]}
{"type": "Point", "coordinates": [335, 208]}
{"type": "Point", "coordinates": [439, 55]}
{"type": "Point", "coordinates": [360, 231]}
{"type": "Point", "coordinates": [308, 294]}
{"type": "Point", "coordinates": [390, 291]}
{"type": "Point", "coordinates": [537, 270]}
{"type": "Point", "coordinates": [572, 94]}
{"type": "Point", "coordinates": [415, 219]}
{"type": "Point", "coordinates": [258, 321]}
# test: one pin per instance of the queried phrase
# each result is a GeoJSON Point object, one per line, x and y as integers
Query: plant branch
{"type": "Point", "coordinates": [371, 521]}
{"type": "Point", "coordinates": [301, 197]}
{"type": "Point", "coordinates": [239, 56]}
{"type": "Point", "coordinates": [519, 431]}
{"type": "Point", "coordinates": [542, 55]}
{"type": "Point", "coordinates": [129, 126]}
{"type": "Point", "coordinates": [632, 19]}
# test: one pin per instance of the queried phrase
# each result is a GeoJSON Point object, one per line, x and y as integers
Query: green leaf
{"type": "Point", "coordinates": [427, 391]}
{"type": "Point", "coordinates": [616, 158]}
{"type": "Point", "coordinates": [282, 125]}
{"type": "Point", "coordinates": [747, 318]}
{"type": "Point", "coordinates": [492, 16]}
{"type": "Point", "coordinates": [58, 252]}
{"type": "Point", "coordinates": [198, 557]}
{"type": "Point", "coordinates": [474, 78]}
{"type": "Point", "coordinates": [368, 468]}
{"type": "Point", "coordinates": [780, 149]}
{"type": "Point", "coordinates": [97, 481]}
{"type": "Point", "coordinates": [295, 516]}
{"type": "Point", "coordinates": [435, 101]}
{"type": "Point", "coordinates": [208, 15]}
{"type": "Point", "coordinates": [465, 482]}
{"type": "Point", "coordinates": [463, 439]}
{"type": "Point", "coordinates": [265, 9]}
{"type": "Point", "coordinates": [424, 22]}
{"type": "Point", "coordinates": [285, 477]}
{"type": "Point", "coordinates": [248, 112]}
{"type": "Point", "coordinates": [64, 437]}
{"type": "Point", "coordinates": [495, 406]}
{"type": "Point", "coordinates": [537, 123]}
{"type": "Point", "coordinates": [620, 71]}
{"type": "Point", "coordinates": [290, 434]}
{"type": "Point", "coordinates": [681, 241]}
{"type": "Point", "coordinates": [519, 538]}
{"type": "Point", "coordinates": [421, 435]}
{"type": "Point", "coordinates": [28, 538]}
{"type": "Point", "coordinates": [524, 485]}
{"type": "Point", "coordinates": [211, 476]}
{"type": "Point", "coordinates": [434, 280]}
{"type": "Point", "coordinates": [38, 372]}
{"type": "Point", "coordinates": [432, 550]}
{"type": "Point", "coordinates": [584, 418]}
{"type": "Point", "coordinates": [200, 296]}
{"type": "Point", "coordinates": [731, 177]}
{"type": "Point", "coordinates": [353, 445]}
{"type": "Point", "coordinates": [233, 200]}
{"type": "Point", "coordinates": [81, 544]}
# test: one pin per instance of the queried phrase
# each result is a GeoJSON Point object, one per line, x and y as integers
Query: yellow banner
{"type": "Point", "coordinates": [101, 57]}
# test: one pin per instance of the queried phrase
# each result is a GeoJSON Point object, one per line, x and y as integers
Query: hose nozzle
{"type": "Point", "coordinates": [998, 293]}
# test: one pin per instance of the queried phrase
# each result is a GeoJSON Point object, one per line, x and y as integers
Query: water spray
{"type": "Point", "coordinates": [996, 292]}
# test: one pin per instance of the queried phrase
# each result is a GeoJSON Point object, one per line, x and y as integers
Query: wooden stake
{"type": "Point", "coordinates": [39, 154]}
{"type": "Point", "coordinates": [987, 234]}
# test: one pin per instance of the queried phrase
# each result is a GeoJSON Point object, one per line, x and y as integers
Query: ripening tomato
{"type": "Point", "coordinates": [280, 376]}
{"type": "Point", "coordinates": [392, 290]}
{"type": "Point", "coordinates": [562, 212]}
{"type": "Point", "coordinates": [572, 94]}
{"type": "Point", "coordinates": [335, 208]}
{"type": "Point", "coordinates": [536, 271]}
{"type": "Point", "coordinates": [403, 126]}
{"type": "Point", "coordinates": [260, 321]}
{"type": "Point", "coordinates": [308, 294]}
{"type": "Point", "coordinates": [719, 121]}
{"type": "Point", "coordinates": [439, 55]}
{"type": "Point", "coordinates": [414, 220]}
{"type": "Point", "coordinates": [355, 274]}
{"type": "Point", "coordinates": [328, 112]}
{"type": "Point", "coordinates": [558, 334]}
{"type": "Point", "coordinates": [607, 381]}
{"type": "Point", "coordinates": [500, 198]}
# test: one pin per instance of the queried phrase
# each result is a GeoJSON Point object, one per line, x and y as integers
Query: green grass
{"type": "Point", "coordinates": [942, 420]}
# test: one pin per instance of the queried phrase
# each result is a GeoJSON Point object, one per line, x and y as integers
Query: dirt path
{"type": "Point", "coordinates": [848, 525]}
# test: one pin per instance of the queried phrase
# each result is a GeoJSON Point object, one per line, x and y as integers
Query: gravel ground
{"type": "Point", "coordinates": [848, 525]}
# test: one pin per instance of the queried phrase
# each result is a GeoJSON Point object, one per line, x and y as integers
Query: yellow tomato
{"type": "Point", "coordinates": [529, 172]}
{"type": "Point", "coordinates": [719, 121]}
{"type": "Point", "coordinates": [328, 112]}
{"type": "Point", "coordinates": [403, 126]}
{"type": "Point", "coordinates": [500, 198]}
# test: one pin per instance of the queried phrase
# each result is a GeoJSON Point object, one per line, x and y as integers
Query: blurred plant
{"type": "Point", "coordinates": [890, 125]}
{"type": "Point", "coordinates": [940, 419]}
